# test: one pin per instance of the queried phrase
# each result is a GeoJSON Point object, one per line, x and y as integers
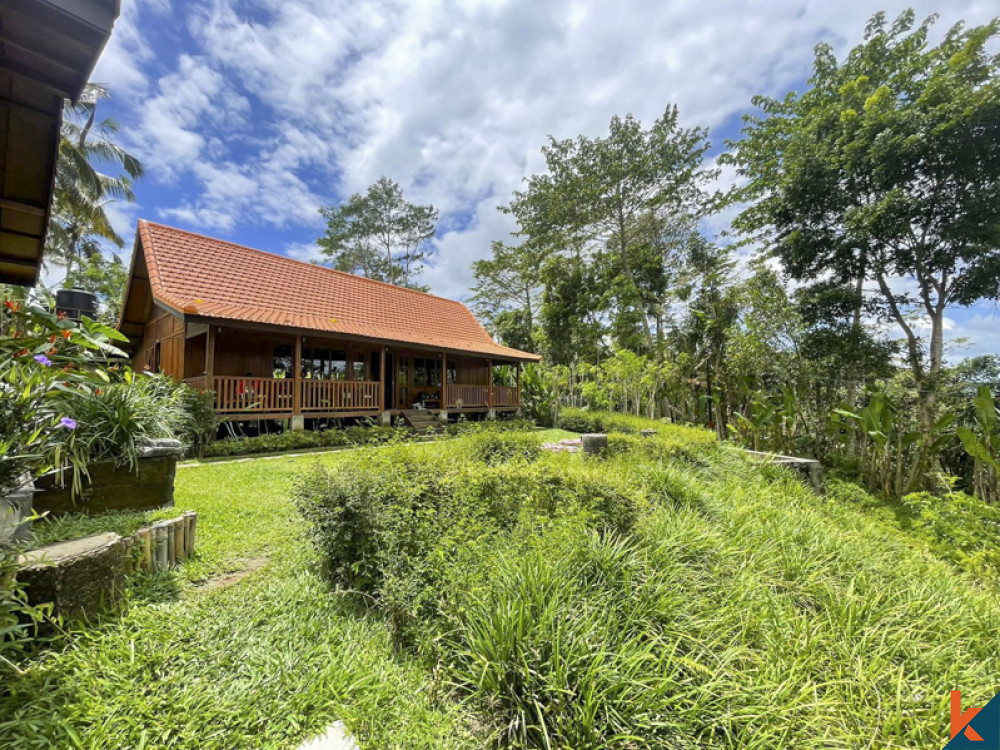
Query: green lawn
{"type": "Point", "coordinates": [261, 663]}
{"type": "Point", "coordinates": [742, 609]}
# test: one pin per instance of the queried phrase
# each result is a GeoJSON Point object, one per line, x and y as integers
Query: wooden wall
{"type": "Point", "coordinates": [162, 346]}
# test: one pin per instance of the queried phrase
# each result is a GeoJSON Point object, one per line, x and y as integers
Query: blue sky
{"type": "Point", "coordinates": [251, 114]}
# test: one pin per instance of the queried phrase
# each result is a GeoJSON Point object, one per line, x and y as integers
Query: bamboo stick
{"type": "Point", "coordinates": [162, 562]}
{"type": "Point", "coordinates": [170, 543]}
{"type": "Point", "coordinates": [145, 538]}
{"type": "Point", "coordinates": [192, 535]}
{"type": "Point", "coordinates": [128, 542]}
{"type": "Point", "coordinates": [178, 525]}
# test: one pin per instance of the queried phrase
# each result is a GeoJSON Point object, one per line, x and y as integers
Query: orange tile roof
{"type": "Point", "coordinates": [199, 275]}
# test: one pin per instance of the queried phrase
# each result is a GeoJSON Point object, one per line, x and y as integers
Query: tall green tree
{"type": "Point", "coordinates": [887, 168]}
{"type": "Point", "coordinates": [379, 235]}
{"type": "Point", "coordinates": [92, 171]}
{"type": "Point", "coordinates": [612, 200]}
{"type": "Point", "coordinates": [508, 288]}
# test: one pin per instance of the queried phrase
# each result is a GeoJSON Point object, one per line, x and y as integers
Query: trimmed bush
{"type": "Point", "coordinates": [304, 439]}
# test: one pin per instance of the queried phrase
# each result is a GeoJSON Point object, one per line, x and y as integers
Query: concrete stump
{"type": "Point", "coordinates": [648, 433]}
{"type": "Point", "coordinates": [81, 578]}
{"type": "Point", "coordinates": [594, 443]}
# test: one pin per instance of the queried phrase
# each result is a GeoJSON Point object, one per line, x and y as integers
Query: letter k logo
{"type": "Point", "coordinates": [960, 721]}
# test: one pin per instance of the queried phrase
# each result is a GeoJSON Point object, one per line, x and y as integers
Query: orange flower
{"type": "Point", "coordinates": [67, 333]}
{"type": "Point", "coordinates": [67, 368]}
{"type": "Point", "coordinates": [52, 350]}
{"type": "Point", "coordinates": [61, 316]}
{"type": "Point", "coordinates": [98, 391]}
{"type": "Point", "coordinates": [52, 339]}
{"type": "Point", "coordinates": [22, 353]}
{"type": "Point", "coordinates": [12, 306]}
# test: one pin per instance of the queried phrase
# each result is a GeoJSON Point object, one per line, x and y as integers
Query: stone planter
{"type": "Point", "coordinates": [15, 509]}
{"type": "Point", "coordinates": [114, 488]}
{"type": "Point", "coordinates": [80, 578]}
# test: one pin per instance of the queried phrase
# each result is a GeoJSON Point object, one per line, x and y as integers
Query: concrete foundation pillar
{"type": "Point", "coordinates": [298, 423]}
{"type": "Point", "coordinates": [443, 416]}
{"type": "Point", "coordinates": [385, 418]}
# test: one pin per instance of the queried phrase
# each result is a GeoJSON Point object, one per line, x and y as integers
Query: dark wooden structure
{"type": "Point", "coordinates": [265, 363]}
{"type": "Point", "coordinates": [47, 50]}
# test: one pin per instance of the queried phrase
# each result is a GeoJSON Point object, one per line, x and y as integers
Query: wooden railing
{"type": "Point", "coordinates": [469, 395]}
{"type": "Point", "coordinates": [250, 395]}
{"type": "Point", "coordinates": [340, 395]}
{"type": "Point", "coordinates": [504, 396]}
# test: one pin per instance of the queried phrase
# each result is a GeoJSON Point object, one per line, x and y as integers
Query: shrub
{"type": "Point", "coordinates": [492, 447]}
{"type": "Point", "coordinates": [304, 439]}
{"type": "Point", "coordinates": [392, 523]}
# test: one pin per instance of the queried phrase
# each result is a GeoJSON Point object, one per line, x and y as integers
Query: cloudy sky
{"type": "Point", "coordinates": [251, 114]}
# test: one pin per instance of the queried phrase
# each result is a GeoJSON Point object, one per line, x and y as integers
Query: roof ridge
{"type": "Point", "coordinates": [300, 262]}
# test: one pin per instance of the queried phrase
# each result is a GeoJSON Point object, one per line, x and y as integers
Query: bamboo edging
{"type": "Point", "coordinates": [162, 545]}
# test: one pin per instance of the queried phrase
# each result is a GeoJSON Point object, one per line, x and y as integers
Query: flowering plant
{"type": "Point", "coordinates": [47, 362]}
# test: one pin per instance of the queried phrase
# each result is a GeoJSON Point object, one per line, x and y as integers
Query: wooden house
{"type": "Point", "coordinates": [276, 338]}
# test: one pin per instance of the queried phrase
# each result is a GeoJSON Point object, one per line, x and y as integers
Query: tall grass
{"type": "Point", "coordinates": [736, 609]}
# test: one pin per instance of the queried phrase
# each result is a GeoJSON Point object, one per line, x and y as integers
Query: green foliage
{"type": "Point", "coordinates": [48, 368]}
{"type": "Point", "coordinates": [982, 443]}
{"type": "Point", "coordinates": [379, 235]}
{"type": "Point", "coordinates": [297, 440]}
{"type": "Point", "coordinates": [539, 395]}
{"type": "Point", "coordinates": [958, 527]}
{"type": "Point", "coordinates": [886, 166]}
{"type": "Point", "coordinates": [82, 192]}
{"type": "Point", "coordinates": [389, 523]}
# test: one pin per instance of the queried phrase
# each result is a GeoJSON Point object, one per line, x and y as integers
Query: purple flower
{"type": "Point", "coordinates": [43, 360]}
{"type": "Point", "coordinates": [69, 424]}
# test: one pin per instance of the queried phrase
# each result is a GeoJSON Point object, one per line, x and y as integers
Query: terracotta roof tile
{"type": "Point", "coordinates": [212, 278]}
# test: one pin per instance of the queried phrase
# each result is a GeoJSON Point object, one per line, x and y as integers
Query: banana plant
{"type": "Point", "coordinates": [983, 445]}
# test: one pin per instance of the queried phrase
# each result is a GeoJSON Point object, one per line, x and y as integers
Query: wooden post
{"type": "Point", "coordinates": [179, 541]}
{"type": "Point", "coordinates": [192, 527]}
{"type": "Point", "coordinates": [171, 541]}
{"type": "Point", "coordinates": [444, 381]}
{"type": "Point", "coordinates": [517, 365]}
{"type": "Point", "coordinates": [381, 379]}
{"type": "Point", "coordinates": [489, 383]}
{"type": "Point", "coordinates": [297, 373]}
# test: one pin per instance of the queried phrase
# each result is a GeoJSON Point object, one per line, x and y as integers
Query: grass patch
{"type": "Point", "coordinates": [261, 664]}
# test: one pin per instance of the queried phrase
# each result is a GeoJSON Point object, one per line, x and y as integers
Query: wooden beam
{"type": "Point", "coordinates": [489, 382]}
{"type": "Point", "coordinates": [381, 378]}
{"type": "Point", "coordinates": [27, 208]}
{"type": "Point", "coordinates": [297, 375]}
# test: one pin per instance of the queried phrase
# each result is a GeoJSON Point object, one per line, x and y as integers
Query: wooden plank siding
{"type": "Point", "coordinates": [161, 348]}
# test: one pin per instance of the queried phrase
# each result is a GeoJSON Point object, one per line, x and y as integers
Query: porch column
{"type": "Point", "coordinates": [444, 380]}
{"type": "Point", "coordinates": [381, 378]}
{"type": "Point", "coordinates": [210, 363]}
{"type": "Point", "coordinates": [489, 384]}
{"type": "Point", "coordinates": [517, 370]}
{"type": "Point", "coordinates": [297, 422]}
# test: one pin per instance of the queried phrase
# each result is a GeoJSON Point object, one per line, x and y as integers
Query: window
{"type": "Point", "coordinates": [338, 365]}
{"type": "Point", "coordinates": [427, 372]}
{"type": "Point", "coordinates": [358, 366]}
{"type": "Point", "coordinates": [452, 374]}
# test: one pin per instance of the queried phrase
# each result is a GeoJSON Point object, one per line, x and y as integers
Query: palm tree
{"type": "Point", "coordinates": [82, 190]}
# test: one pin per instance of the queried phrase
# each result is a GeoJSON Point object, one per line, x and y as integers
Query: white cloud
{"type": "Point", "coordinates": [285, 104]}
